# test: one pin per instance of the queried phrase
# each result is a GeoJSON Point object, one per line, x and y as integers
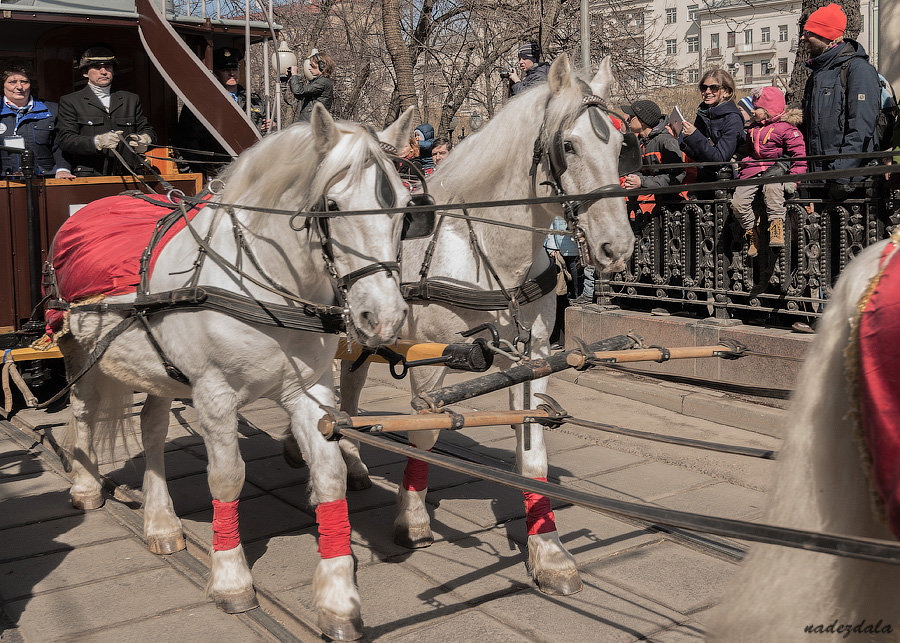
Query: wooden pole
{"type": "Point", "coordinates": [578, 359]}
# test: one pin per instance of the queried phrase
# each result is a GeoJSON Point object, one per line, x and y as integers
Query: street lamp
{"type": "Point", "coordinates": [475, 121]}
{"type": "Point", "coordinates": [282, 59]}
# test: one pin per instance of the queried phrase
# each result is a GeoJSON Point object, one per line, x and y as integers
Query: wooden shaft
{"type": "Point", "coordinates": [409, 349]}
{"type": "Point", "coordinates": [646, 354]}
{"type": "Point", "coordinates": [428, 421]}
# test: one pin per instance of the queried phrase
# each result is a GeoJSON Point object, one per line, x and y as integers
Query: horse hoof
{"type": "Point", "coordinates": [237, 603]}
{"type": "Point", "coordinates": [414, 538]}
{"type": "Point", "coordinates": [87, 502]}
{"type": "Point", "coordinates": [559, 582]}
{"type": "Point", "coordinates": [166, 544]}
{"type": "Point", "coordinates": [359, 483]}
{"type": "Point", "coordinates": [340, 629]}
{"type": "Point", "coordinates": [291, 453]}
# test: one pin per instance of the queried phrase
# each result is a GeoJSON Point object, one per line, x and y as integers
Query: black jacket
{"type": "Point", "coordinates": [319, 89]}
{"type": "Point", "coordinates": [830, 126]}
{"type": "Point", "coordinates": [192, 135]}
{"type": "Point", "coordinates": [660, 147]}
{"type": "Point", "coordinates": [720, 130]}
{"type": "Point", "coordinates": [537, 74]}
{"type": "Point", "coordinates": [82, 116]}
{"type": "Point", "coordinates": [38, 127]}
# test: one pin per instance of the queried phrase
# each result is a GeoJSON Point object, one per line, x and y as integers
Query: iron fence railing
{"type": "Point", "coordinates": [691, 255]}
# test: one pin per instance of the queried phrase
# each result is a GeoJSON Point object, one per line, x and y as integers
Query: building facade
{"type": "Point", "coordinates": [756, 41]}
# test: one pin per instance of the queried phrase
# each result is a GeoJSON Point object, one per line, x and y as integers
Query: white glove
{"type": "Point", "coordinates": [107, 140]}
{"type": "Point", "coordinates": [790, 188]}
{"type": "Point", "coordinates": [139, 142]}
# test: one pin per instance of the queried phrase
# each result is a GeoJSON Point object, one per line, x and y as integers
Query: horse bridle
{"type": "Point", "coordinates": [555, 155]}
{"type": "Point", "coordinates": [415, 224]}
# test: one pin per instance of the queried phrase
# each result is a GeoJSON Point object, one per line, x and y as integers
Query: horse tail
{"type": "Point", "coordinates": [821, 486]}
{"type": "Point", "coordinates": [98, 405]}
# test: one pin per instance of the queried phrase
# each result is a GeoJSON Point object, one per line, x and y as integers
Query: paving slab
{"type": "Point", "coordinates": [471, 625]}
{"type": "Point", "coordinates": [721, 499]}
{"type": "Point", "coordinates": [73, 610]}
{"type": "Point", "coordinates": [484, 503]}
{"type": "Point", "coordinates": [285, 561]}
{"type": "Point", "coordinates": [597, 613]}
{"type": "Point", "coordinates": [668, 573]}
{"type": "Point", "coordinates": [15, 461]}
{"type": "Point", "coordinates": [274, 472]}
{"type": "Point", "coordinates": [197, 623]}
{"type": "Point", "coordinates": [31, 485]}
{"type": "Point", "coordinates": [394, 599]}
{"type": "Point", "coordinates": [178, 463]}
{"type": "Point", "coordinates": [259, 445]}
{"type": "Point", "coordinates": [23, 510]}
{"type": "Point", "coordinates": [690, 632]}
{"type": "Point", "coordinates": [649, 481]}
{"type": "Point", "coordinates": [83, 564]}
{"type": "Point", "coordinates": [478, 568]}
{"type": "Point", "coordinates": [59, 534]}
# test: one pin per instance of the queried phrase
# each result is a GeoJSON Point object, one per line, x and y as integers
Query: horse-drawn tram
{"type": "Point", "coordinates": [310, 246]}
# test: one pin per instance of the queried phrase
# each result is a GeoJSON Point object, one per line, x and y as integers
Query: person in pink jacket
{"type": "Point", "coordinates": [773, 135]}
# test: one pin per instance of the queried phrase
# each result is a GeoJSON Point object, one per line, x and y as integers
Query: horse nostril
{"type": "Point", "coordinates": [608, 250]}
{"type": "Point", "coordinates": [368, 320]}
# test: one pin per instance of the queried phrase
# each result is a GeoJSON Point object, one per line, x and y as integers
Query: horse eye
{"type": "Point", "coordinates": [331, 206]}
{"type": "Point", "coordinates": [568, 147]}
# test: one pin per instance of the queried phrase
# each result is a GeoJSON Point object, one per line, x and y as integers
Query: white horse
{"type": "Point", "coordinates": [823, 486]}
{"type": "Point", "coordinates": [496, 164]}
{"type": "Point", "coordinates": [230, 362]}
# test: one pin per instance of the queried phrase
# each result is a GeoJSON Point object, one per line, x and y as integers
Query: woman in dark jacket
{"type": "Point", "coordinates": [28, 123]}
{"type": "Point", "coordinates": [718, 129]}
{"type": "Point", "coordinates": [319, 89]}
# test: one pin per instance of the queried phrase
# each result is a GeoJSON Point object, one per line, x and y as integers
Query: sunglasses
{"type": "Point", "coordinates": [712, 88]}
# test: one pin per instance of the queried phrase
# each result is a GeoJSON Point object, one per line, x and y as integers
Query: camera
{"type": "Point", "coordinates": [504, 74]}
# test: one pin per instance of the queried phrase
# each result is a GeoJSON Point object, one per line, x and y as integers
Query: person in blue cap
{"type": "Point", "coordinates": [425, 135]}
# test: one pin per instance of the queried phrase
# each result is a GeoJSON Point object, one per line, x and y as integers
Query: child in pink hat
{"type": "Point", "coordinates": [773, 135]}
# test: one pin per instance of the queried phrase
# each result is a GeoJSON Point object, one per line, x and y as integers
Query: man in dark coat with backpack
{"type": "Point", "coordinates": [842, 101]}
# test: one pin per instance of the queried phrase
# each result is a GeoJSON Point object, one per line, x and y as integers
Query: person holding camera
{"type": "Point", "coordinates": [319, 89]}
{"type": "Point", "coordinates": [534, 71]}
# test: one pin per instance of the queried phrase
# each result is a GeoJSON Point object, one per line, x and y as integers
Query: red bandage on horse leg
{"type": "Point", "coordinates": [334, 528]}
{"type": "Point", "coordinates": [538, 514]}
{"type": "Point", "coordinates": [226, 534]}
{"type": "Point", "coordinates": [415, 476]}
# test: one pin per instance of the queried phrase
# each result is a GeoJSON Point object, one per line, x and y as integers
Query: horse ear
{"type": "Point", "coordinates": [560, 75]}
{"type": "Point", "coordinates": [324, 129]}
{"type": "Point", "coordinates": [398, 132]}
{"type": "Point", "coordinates": [602, 81]}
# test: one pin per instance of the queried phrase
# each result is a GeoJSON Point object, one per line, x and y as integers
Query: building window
{"type": "Point", "coordinates": [693, 43]}
{"type": "Point", "coordinates": [748, 37]}
{"type": "Point", "coordinates": [782, 33]}
{"type": "Point", "coordinates": [671, 47]}
{"type": "Point", "coordinates": [748, 72]}
{"type": "Point", "coordinates": [671, 16]}
{"type": "Point", "coordinates": [766, 68]}
{"type": "Point", "coordinates": [765, 35]}
{"type": "Point", "coordinates": [714, 44]}
{"type": "Point", "coordinates": [692, 12]}
{"type": "Point", "coordinates": [671, 78]}
{"type": "Point", "coordinates": [782, 66]}
{"type": "Point", "coordinates": [729, 39]}
{"type": "Point", "coordinates": [693, 75]}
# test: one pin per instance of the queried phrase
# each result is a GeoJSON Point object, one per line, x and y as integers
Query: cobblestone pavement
{"type": "Point", "coordinates": [66, 574]}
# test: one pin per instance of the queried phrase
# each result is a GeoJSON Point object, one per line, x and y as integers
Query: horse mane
{"type": "Point", "coordinates": [520, 119]}
{"type": "Point", "coordinates": [284, 169]}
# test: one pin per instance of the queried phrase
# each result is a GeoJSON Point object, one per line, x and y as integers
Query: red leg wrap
{"type": "Point", "coordinates": [334, 528]}
{"type": "Point", "coordinates": [538, 515]}
{"type": "Point", "coordinates": [415, 477]}
{"type": "Point", "coordinates": [226, 534]}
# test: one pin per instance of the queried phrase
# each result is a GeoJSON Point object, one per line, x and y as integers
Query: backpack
{"type": "Point", "coordinates": [887, 116]}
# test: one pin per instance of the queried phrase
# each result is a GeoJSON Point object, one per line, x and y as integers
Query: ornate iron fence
{"type": "Point", "coordinates": [691, 255]}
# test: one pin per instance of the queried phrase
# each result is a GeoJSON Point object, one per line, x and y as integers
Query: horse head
{"type": "Point", "coordinates": [583, 147]}
{"type": "Point", "coordinates": [362, 250]}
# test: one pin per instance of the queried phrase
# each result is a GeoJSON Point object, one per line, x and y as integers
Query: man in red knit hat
{"type": "Point", "coordinates": [842, 97]}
